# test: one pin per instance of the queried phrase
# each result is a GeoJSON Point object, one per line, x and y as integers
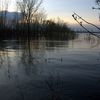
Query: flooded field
{"type": "Point", "coordinates": [50, 70]}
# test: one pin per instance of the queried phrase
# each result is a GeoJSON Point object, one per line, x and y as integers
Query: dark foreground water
{"type": "Point", "coordinates": [50, 70]}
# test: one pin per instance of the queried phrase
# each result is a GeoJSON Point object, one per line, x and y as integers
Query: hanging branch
{"type": "Point", "coordinates": [94, 8]}
{"type": "Point", "coordinates": [77, 17]}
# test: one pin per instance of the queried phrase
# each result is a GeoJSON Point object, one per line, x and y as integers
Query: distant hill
{"type": "Point", "coordinates": [11, 18]}
{"type": "Point", "coordinates": [11, 15]}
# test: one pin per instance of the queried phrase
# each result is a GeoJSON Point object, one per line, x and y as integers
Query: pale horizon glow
{"type": "Point", "coordinates": [65, 8]}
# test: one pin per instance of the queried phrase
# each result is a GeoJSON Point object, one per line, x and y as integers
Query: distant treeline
{"type": "Point", "coordinates": [48, 28]}
{"type": "Point", "coordinates": [29, 20]}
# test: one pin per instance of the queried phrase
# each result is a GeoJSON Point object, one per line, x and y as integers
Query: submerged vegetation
{"type": "Point", "coordinates": [29, 21]}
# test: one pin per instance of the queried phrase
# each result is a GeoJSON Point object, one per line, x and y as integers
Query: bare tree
{"type": "Point", "coordinates": [40, 16]}
{"type": "Point", "coordinates": [28, 9]}
{"type": "Point", "coordinates": [98, 2]}
{"type": "Point", "coordinates": [4, 4]}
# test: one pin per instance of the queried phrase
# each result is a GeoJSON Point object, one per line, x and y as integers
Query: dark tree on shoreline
{"type": "Point", "coordinates": [29, 20]}
{"type": "Point", "coordinates": [28, 9]}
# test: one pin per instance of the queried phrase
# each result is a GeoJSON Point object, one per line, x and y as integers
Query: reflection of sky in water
{"type": "Point", "coordinates": [74, 59]}
{"type": "Point", "coordinates": [83, 49]}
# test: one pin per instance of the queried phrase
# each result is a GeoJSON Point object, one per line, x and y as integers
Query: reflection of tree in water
{"type": "Point", "coordinates": [5, 63]}
{"type": "Point", "coordinates": [2, 57]}
{"type": "Point", "coordinates": [92, 40]}
{"type": "Point", "coordinates": [32, 55]}
{"type": "Point", "coordinates": [55, 87]}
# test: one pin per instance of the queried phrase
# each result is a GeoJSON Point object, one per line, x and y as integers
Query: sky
{"type": "Point", "coordinates": [65, 8]}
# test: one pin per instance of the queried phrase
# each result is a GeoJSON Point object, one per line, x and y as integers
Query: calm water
{"type": "Point", "coordinates": [50, 70]}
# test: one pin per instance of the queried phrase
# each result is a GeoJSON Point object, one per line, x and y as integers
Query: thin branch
{"type": "Point", "coordinates": [76, 16]}
{"type": "Point", "coordinates": [87, 21]}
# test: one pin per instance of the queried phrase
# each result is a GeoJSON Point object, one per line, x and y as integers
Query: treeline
{"type": "Point", "coordinates": [48, 28]}
{"type": "Point", "coordinates": [29, 20]}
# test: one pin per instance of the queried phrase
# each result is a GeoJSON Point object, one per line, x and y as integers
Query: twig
{"type": "Point", "coordinates": [76, 16]}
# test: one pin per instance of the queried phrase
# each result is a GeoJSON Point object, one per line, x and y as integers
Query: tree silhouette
{"type": "Point", "coordinates": [98, 2]}
{"type": "Point", "coordinates": [28, 9]}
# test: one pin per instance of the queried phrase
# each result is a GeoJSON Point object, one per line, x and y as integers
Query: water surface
{"type": "Point", "coordinates": [50, 70]}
